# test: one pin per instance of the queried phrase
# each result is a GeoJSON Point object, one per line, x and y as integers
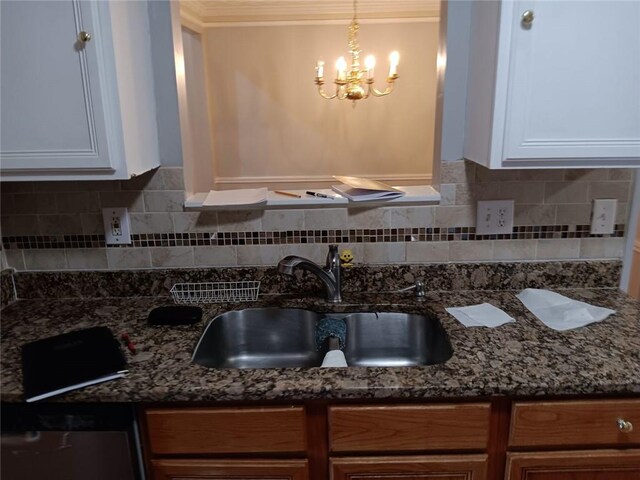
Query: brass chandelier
{"type": "Point", "coordinates": [356, 84]}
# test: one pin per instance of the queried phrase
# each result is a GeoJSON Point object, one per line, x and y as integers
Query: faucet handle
{"type": "Point", "coordinates": [418, 287]}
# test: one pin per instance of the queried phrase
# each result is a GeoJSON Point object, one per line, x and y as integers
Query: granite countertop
{"type": "Point", "coordinates": [522, 358]}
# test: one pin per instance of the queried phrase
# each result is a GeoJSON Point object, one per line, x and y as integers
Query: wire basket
{"type": "Point", "coordinates": [216, 292]}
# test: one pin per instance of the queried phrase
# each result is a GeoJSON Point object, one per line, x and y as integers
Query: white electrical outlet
{"type": "Point", "coordinates": [603, 216]}
{"type": "Point", "coordinates": [494, 217]}
{"type": "Point", "coordinates": [117, 230]}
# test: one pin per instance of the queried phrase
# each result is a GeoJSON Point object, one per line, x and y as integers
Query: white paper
{"type": "Point", "coordinates": [334, 358]}
{"type": "Point", "coordinates": [559, 312]}
{"type": "Point", "coordinates": [483, 315]}
{"type": "Point", "coordinates": [228, 198]}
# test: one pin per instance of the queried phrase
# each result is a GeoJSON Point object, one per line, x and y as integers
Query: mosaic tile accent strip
{"type": "Point", "coordinates": [380, 235]}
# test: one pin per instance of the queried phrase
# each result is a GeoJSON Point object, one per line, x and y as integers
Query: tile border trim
{"type": "Point", "coordinates": [320, 236]}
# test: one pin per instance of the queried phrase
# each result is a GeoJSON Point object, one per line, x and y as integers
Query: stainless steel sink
{"type": "Point", "coordinates": [260, 338]}
{"type": "Point", "coordinates": [281, 337]}
{"type": "Point", "coordinates": [395, 340]}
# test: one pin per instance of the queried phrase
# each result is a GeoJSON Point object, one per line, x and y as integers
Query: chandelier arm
{"type": "Point", "coordinates": [324, 95]}
{"type": "Point", "coordinates": [387, 91]}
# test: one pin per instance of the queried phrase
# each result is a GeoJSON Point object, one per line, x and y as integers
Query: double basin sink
{"type": "Point", "coordinates": [281, 337]}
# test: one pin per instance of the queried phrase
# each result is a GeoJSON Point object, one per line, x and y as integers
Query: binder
{"type": "Point", "coordinates": [70, 361]}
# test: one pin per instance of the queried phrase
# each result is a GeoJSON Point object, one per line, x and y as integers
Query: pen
{"type": "Point", "coordinates": [288, 194]}
{"type": "Point", "coordinates": [321, 195]}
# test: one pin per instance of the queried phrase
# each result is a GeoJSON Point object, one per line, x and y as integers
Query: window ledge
{"type": "Point", "coordinates": [414, 195]}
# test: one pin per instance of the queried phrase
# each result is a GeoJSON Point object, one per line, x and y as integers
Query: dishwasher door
{"type": "Point", "coordinates": [67, 442]}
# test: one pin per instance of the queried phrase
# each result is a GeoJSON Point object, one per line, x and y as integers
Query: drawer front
{"type": "Point", "coordinates": [226, 430]}
{"type": "Point", "coordinates": [579, 423]}
{"type": "Point", "coordinates": [230, 469]}
{"type": "Point", "coordinates": [423, 467]}
{"type": "Point", "coordinates": [409, 428]}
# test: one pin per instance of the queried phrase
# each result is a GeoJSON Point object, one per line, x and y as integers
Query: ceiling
{"type": "Point", "coordinates": [219, 11]}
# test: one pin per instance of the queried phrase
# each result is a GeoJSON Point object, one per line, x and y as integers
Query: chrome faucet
{"type": "Point", "coordinates": [330, 274]}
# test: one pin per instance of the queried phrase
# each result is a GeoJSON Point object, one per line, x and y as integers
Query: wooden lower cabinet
{"type": "Point", "coordinates": [574, 465]}
{"type": "Point", "coordinates": [418, 467]}
{"type": "Point", "coordinates": [230, 469]}
{"type": "Point", "coordinates": [594, 439]}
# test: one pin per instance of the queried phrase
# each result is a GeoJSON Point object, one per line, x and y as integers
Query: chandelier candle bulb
{"type": "Point", "coordinates": [320, 69]}
{"type": "Point", "coordinates": [394, 59]}
{"type": "Point", "coordinates": [370, 63]}
{"type": "Point", "coordinates": [341, 67]}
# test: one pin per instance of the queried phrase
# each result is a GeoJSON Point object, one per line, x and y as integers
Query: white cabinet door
{"type": "Point", "coordinates": [561, 91]}
{"type": "Point", "coordinates": [52, 116]}
{"type": "Point", "coordinates": [574, 80]}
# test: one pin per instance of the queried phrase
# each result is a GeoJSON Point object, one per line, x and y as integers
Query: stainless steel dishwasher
{"type": "Point", "coordinates": [70, 442]}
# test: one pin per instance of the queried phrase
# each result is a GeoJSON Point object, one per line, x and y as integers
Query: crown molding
{"type": "Point", "coordinates": [232, 11]}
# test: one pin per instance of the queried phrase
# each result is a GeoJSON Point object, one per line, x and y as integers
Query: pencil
{"type": "Point", "coordinates": [288, 194]}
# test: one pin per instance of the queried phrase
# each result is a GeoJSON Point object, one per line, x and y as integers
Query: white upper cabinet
{"type": "Point", "coordinates": [554, 83]}
{"type": "Point", "coordinates": [74, 109]}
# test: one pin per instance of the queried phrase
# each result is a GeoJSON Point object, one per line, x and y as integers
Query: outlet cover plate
{"type": "Point", "coordinates": [117, 229]}
{"type": "Point", "coordinates": [495, 217]}
{"type": "Point", "coordinates": [603, 216]}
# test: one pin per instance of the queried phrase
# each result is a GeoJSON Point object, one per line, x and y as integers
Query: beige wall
{"type": "Point", "coordinates": [269, 121]}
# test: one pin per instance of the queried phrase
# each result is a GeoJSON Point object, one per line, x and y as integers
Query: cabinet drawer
{"type": "Point", "coordinates": [226, 430]}
{"type": "Point", "coordinates": [579, 423]}
{"type": "Point", "coordinates": [409, 428]}
{"type": "Point", "coordinates": [230, 469]}
{"type": "Point", "coordinates": [423, 467]}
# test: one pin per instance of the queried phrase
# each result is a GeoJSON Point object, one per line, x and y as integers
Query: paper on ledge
{"type": "Point", "coordinates": [366, 184]}
{"type": "Point", "coordinates": [359, 189]}
{"type": "Point", "coordinates": [229, 198]}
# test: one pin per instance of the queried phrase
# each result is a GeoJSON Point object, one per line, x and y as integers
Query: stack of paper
{"type": "Point", "coordinates": [359, 189]}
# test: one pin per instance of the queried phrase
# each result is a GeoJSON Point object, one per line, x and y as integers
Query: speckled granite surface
{"type": "Point", "coordinates": [436, 276]}
{"type": "Point", "coordinates": [7, 294]}
{"type": "Point", "coordinates": [522, 358]}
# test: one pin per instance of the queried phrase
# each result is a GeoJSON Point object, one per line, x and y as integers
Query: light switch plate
{"type": "Point", "coordinates": [603, 216]}
{"type": "Point", "coordinates": [117, 230]}
{"type": "Point", "coordinates": [495, 217]}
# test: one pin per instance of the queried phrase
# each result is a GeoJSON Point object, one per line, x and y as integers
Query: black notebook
{"type": "Point", "coordinates": [70, 361]}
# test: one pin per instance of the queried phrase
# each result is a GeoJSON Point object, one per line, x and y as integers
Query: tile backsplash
{"type": "Point", "coordinates": [58, 225]}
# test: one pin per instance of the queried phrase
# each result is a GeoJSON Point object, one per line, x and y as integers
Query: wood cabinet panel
{"type": "Point", "coordinates": [409, 428]}
{"type": "Point", "coordinates": [230, 469]}
{"type": "Point", "coordinates": [226, 430]}
{"type": "Point", "coordinates": [574, 423]}
{"type": "Point", "coordinates": [576, 465]}
{"type": "Point", "coordinates": [432, 467]}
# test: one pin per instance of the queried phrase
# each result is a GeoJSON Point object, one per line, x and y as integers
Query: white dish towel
{"type": "Point", "coordinates": [334, 358]}
{"type": "Point", "coordinates": [559, 312]}
{"type": "Point", "coordinates": [483, 315]}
